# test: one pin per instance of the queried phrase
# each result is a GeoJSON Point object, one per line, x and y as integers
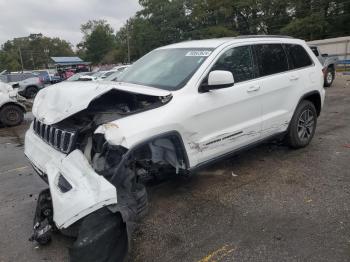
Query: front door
{"type": "Point", "coordinates": [229, 118]}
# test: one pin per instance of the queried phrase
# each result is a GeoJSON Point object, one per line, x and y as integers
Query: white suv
{"type": "Point", "coordinates": [176, 109]}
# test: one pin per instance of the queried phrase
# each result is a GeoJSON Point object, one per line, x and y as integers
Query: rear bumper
{"type": "Point", "coordinates": [89, 191]}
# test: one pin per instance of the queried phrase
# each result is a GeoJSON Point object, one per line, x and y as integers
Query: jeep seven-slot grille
{"type": "Point", "coordinates": [60, 139]}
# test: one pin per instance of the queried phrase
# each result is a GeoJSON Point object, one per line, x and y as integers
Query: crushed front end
{"type": "Point", "coordinates": [93, 185]}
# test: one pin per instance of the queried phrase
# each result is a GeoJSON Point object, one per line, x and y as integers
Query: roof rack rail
{"type": "Point", "coordinates": [264, 36]}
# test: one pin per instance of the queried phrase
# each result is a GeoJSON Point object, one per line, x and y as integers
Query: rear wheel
{"type": "Point", "coordinates": [11, 115]}
{"type": "Point", "coordinates": [303, 125]}
{"type": "Point", "coordinates": [102, 237]}
{"type": "Point", "coordinates": [31, 91]}
{"type": "Point", "coordinates": [329, 77]}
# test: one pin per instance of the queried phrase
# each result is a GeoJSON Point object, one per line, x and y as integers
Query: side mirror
{"type": "Point", "coordinates": [218, 79]}
{"type": "Point", "coordinates": [324, 55]}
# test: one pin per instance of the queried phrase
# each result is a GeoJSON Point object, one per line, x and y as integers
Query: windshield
{"type": "Point", "coordinates": [168, 69]}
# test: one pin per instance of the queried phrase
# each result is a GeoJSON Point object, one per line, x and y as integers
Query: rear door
{"type": "Point", "coordinates": [278, 87]}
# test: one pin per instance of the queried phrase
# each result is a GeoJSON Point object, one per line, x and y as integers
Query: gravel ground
{"type": "Point", "coordinates": [267, 204]}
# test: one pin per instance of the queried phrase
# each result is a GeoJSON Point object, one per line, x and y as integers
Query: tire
{"type": "Point", "coordinates": [102, 237]}
{"type": "Point", "coordinates": [329, 77]}
{"type": "Point", "coordinates": [303, 125]}
{"type": "Point", "coordinates": [31, 91]}
{"type": "Point", "coordinates": [11, 115]}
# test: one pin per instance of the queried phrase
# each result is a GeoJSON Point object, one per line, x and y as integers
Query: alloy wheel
{"type": "Point", "coordinates": [306, 125]}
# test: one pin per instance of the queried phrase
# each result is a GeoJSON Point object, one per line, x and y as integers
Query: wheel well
{"type": "Point", "coordinates": [314, 98]}
{"type": "Point", "coordinates": [168, 147]}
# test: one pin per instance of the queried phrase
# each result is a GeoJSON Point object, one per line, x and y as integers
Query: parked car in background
{"type": "Point", "coordinates": [175, 110]}
{"type": "Point", "coordinates": [14, 78]}
{"type": "Point", "coordinates": [30, 86]}
{"type": "Point", "coordinates": [77, 76]}
{"type": "Point", "coordinates": [117, 71]}
{"type": "Point", "coordinates": [328, 63]}
{"type": "Point", "coordinates": [11, 110]}
{"type": "Point", "coordinates": [96, 76]}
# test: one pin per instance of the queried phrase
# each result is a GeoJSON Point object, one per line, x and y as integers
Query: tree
{"type": "Point", "coordinates": [98, 40]}
{"type": "Point", "coordinates": [35, 50]}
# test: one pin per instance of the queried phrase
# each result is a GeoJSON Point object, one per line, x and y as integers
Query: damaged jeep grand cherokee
{"type": "Point", "coordinates": [178, 108]}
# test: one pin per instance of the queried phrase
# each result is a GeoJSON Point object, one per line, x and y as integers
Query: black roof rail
{"type": "Point", "coordinates": [263, 36]}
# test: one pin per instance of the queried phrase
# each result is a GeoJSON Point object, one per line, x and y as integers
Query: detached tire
{"type": "Point", "coordinates": [11, 115]}
{"type": "Point", "coordinates": [303, 125]}
{"type": "Point", "coordinates": [329, 77]}
{"type": "Point", "coordinates": [102, 237]}
{"type": "Point", "coordinates": [31, 92]}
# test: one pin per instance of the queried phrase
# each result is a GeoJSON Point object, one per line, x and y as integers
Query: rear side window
{"type": "Point", "coordinates": [298, 57]}
{"type": "Point", "coordinates": [271, 59]}
{"type": "Point", "coordinates": [239, 61]}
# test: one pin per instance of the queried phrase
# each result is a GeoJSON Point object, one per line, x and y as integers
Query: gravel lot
{"type": "Point", "coordinates": [267, 204]}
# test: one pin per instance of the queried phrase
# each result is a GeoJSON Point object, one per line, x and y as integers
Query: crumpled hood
{"type": "Point", "coordinates": [57, 102]}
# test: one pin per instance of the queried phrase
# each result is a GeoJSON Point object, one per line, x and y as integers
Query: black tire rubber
{"type": "Point", "coordinates": [31, 92]}
{"type": "Point", "coordinates": [330, 71]}
{"type": "Point", "coordinates": [102, 237]}
{"type": "Point", "coordinates": [11, 115]}
{"type": "Point", "coordinates": [293, 139]}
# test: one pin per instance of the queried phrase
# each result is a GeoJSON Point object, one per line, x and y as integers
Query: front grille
{"type": "Point", "coordinates": [62, 140]}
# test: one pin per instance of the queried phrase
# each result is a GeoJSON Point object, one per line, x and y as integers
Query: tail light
{"type": "Point", "coordinates": [324, 71]}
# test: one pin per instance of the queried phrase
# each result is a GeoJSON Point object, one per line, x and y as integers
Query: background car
{"type": "Point", "coordinates": [11, 110]}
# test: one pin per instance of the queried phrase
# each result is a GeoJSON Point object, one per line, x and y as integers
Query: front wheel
{"type": "Point", "coordinates": [11, 115]}
{"type": "Point", "coordinates": [303, 125]}
{"type": "Point", "coordinates": [102, 237]}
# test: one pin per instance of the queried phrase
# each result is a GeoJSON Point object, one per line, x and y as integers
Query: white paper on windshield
{"type": "Point", "coordinates": [199, 53]}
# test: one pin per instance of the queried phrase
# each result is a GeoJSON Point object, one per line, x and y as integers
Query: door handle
{"type": "Point", "coordinates": [293, 77]}
{"type": "Point", "coordinates": [253, 88]}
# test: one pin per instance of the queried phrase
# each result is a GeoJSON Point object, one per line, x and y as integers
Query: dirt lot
{"type": "Point", "coordinates": [268, 204]}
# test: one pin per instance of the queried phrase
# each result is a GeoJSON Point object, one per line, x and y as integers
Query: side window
{"type": "Point", "coordinates": [271, 59]}
{"type": "Point", "coordinates": [239, 61]}
{"type": "Point", "coordinates": [298, 57]}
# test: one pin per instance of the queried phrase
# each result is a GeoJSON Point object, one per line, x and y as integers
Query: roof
{"type": "Point", "coordinates": [68, 60]}
{"type": "Point", "coordinates": [216, 42]}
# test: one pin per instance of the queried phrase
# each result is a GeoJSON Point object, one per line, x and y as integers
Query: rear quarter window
{"type": "Point", "coordinates": [271, 59]}
{"type": "Point", "coordinates": [297, 56]}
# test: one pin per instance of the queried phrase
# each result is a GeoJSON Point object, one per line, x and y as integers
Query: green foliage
{"type": "Point", "coordinates": [162, 22]}
{"type": "Point", "coordinates": [98, 41]}
{"type": "Point", "coordinates": [35, 49]}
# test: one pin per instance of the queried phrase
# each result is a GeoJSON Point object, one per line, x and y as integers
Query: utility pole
{"type": "Point", "coordinates": [127, 40]}
{"type": "Point", "coordinates": [32, 58]}
{"type": "Point", "coordinates": [20, 55]}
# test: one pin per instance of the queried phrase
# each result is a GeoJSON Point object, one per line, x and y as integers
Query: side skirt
{"type": "Point", "coordinates": [234, 152]}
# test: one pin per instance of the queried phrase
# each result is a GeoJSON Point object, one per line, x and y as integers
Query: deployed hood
{"type": "Point", "coordinates": [57, 102]}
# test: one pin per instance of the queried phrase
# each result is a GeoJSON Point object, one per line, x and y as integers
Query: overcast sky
{"type": "Point", "coordinates": [60, 18]}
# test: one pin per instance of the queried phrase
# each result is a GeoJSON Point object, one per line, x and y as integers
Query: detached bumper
{"type": "Point", "coordinates": [87, 191]}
